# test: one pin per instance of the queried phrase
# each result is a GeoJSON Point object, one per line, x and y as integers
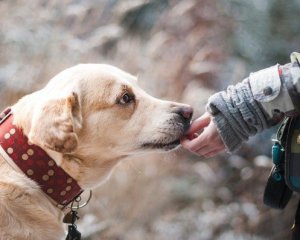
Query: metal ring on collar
{"type": "Point", "coordinates": [78, 199]}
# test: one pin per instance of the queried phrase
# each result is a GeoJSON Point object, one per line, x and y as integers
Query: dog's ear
{"type": "Point", "coordinates": [56, 123]}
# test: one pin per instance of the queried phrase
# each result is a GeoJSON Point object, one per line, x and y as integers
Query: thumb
{"type": "Point", "coordinates": [199, 123]}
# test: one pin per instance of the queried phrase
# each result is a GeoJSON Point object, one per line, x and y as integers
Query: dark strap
{"type": "Point", "coordinates": [287, 78]}
{"type": "Point", "coordinates": [296, 226]}
{"type": "Point", "coordinates": [292, 154]}
{"type": "Point", "coordinates": [294, 95]}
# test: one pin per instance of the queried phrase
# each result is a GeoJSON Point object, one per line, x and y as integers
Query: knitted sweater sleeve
{"type": "Point", "coordinates": [257, 103]}
{"type": "Point", "coordinates": [237, 114]}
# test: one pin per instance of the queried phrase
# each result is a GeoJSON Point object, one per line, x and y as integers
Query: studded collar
{"type": "Point", "coordinates": [35, 163]}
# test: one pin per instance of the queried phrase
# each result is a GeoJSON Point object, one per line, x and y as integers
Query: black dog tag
{"type": "Point", "coordinates": [70, 217]}
{"type": "Point", "coordinates": [73, 233]}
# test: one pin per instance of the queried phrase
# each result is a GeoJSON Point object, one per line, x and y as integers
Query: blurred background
{"type": "Point", "coordinates": [182, 51]}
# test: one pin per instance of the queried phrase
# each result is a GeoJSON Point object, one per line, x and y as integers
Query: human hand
{"type": "Point", "coordinates": [208, 142]}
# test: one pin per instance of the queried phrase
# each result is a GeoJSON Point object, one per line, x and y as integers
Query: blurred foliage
{"type": "Point", "coordinates": [265, 32]}
{"type": "Point", "coordinates": [142, 18]}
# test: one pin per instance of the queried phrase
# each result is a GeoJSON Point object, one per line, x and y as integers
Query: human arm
{"type": "Point", "coordinates": [249, 107]}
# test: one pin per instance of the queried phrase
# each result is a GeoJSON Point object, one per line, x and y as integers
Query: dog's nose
{"type": "Point", "coordinates": [185, 111]}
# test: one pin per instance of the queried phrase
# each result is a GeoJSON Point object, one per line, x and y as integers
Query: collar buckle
{"type": "Point", "coordinates": [5, 115]}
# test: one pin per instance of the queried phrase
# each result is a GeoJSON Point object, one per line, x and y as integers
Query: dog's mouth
{"type": "Point", "coordinates": [172, 140]}
{"type": "Point", "coordinates": [161, 145]}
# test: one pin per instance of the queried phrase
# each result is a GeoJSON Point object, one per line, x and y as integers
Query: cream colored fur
{"type": "Point", "coordinates": [81, 120]}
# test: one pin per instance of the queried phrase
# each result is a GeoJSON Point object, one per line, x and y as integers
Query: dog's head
{"type": "Point", "coordinates": [95, 111]}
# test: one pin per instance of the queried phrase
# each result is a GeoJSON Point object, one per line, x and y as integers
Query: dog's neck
{"type": "Point", "coordinates": [35, 163]}
{"type": "Point", "coordinates": [79, 165]}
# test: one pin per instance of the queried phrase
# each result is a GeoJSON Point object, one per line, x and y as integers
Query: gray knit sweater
{"type": "Point", "coordinates": [255, 104]}
{"type": "Point", "coordinates": [237, 114]}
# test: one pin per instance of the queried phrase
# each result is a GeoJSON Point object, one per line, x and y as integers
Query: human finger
{"type": "Point", "coordinates": [199, 123]}
{"type": "Point", "coordinates": [208, 141]}
{"type": "Point", "coordinates": [196, 143]}
{"type": "Point", "coordinates": [214, 152]}
{"type": "Point", "coordinates": [208, 148]}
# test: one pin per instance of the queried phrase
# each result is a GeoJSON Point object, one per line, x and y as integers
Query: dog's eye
{"type": "Point", "coordinates": [126, 99]}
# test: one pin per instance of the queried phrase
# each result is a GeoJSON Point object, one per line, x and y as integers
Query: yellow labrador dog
{"type": "Point", "coordinates": [87, 119]}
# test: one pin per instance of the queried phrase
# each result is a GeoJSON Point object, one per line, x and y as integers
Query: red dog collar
{"type": "Point", "coordinates": [35, 163]}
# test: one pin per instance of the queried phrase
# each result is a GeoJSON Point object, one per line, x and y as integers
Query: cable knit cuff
{"type": "Point", "coordinates": [237, 114]}
{"type": "Point", "coordinates": [231, 141]}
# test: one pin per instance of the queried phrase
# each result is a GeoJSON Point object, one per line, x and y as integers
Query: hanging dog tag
{"type": "Point", "coordinates": [73, 233]}
{"type": "Point", "coordinates": [68, 218]}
